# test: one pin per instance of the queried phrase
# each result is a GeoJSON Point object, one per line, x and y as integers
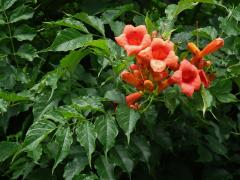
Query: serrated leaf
{"type": "Point", "coordinates": [229, 26]}
{"type": "Point", "coordinates": [42, 105]}
{"type": "Point", "coordinates": [150, 25]}
{"type": "Point", "coordinates": [99, 46]}
{"type": "Point", "coordinates": [71, 60]}
{"type": "Point", "coordinates": [36, 154]}
{"type": "Point", "coordinates": [206, 32]}
{"type": "Point", "coordinates": [12, 97]}
{"type": "Point", "coordinates": [21, 167]}
{"type": "Point", "coordinates": [86, 136]}
{"type": "Point", "coordinates": [207, 99]}
{"type": "Point", "coordinates": [38, 131]}
{"type": "Point", "coordinates": [75, 166]}
{"type": "Point", "coordinates": [69, 112]}
{"type": "Point", "coordinates": [21, 13]}
{"type": "Point", "coordinates": [104, 168]}
{"type": "Point", "coordinates": [24, 32]}
{"type": "Point", "coordinates": [127, 119]}
{"type": "Point", "coordinates": [88, 103]}
{"type": "Point", "coordinates": [117, 27]}
{"type": "Point", "coordinates": [143, 147]}
{"type": "Point", "coordinates": [236, 13]}
{"type": "Point", "coordinates": [7, 149]}
{"type": "Point", "coordinates": [71, 23]}
{"type": "Point", "coordinates": [121, 157]}
{"type": "Point", "coordinates": [27, 51]}
{"type": "Point", "coordinates": [6, 4]}
{"type": "Point", "coordinates": [86, 177]}
{"type": "Point", "coordinates": [107, 130]}
{"type": "Point", "coordinates": [215, 145]}
{"type": "Point", "coordinates": [234, 69]}
{"type": "Point", "coordinates": [93, 21]}
{"type": "Point", "coordinates": [64, 141]}
{"type": "Point", "coordinates": [115, 96]}
{"type": "Point", "coordinates": [69, 39]}
{"type": "Point", "coordinates": [227, 98]}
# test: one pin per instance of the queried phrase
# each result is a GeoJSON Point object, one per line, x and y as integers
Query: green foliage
{"type": "Point", "coordinates": [62, 103]}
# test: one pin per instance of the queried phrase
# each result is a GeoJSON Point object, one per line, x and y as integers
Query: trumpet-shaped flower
{"type": "Point", "coordinates": [187, 77]}
{"type": "Point", "coordinates": [134, 39]}
{"type": "Point", "coordinates": [159, 55]}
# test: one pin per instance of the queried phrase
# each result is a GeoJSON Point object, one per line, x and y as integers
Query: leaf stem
{"type": "Point", "coordinates": [10, 36]}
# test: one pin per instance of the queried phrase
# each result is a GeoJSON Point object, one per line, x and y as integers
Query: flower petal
{"type": "Point", "coordinates": [132, 50]}
{"type": "Point", "coordinates": [146, 53]}
{"type": "Point", "coordinates": [176, 77]}
{"type": "Point", "coordinates": [187, 89]}
{"type": "Point", "coordinates": [121, 40]}
{"type": "Point", "coordinates": [146, 41]}
{"type": "Point", "coordinates": [157, 65]}
{"type": "Point", "coordinates": [204, 78]}
{"type": "Point", "coordinates": [128, 28]}
{"type": "Point", "coordinates": [172, 60]}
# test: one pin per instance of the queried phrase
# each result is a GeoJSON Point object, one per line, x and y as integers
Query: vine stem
{"type": "Point", "coordinates": [10, 36]}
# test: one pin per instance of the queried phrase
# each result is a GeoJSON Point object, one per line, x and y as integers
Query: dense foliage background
{"type": "Point", "coordinates": [59, 86]}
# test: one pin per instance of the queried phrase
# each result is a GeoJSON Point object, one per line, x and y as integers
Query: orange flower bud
{"type": "Point", "coordinates": [148, 85]}
{"type": "Point", "coordinates": [193, 48]}
{"type": "Point", "coordinates": [137, 74]}
{"type": "Point", "coordinates": [134, 67]}
{"type": "Point", "coordinates": [132, 98]}
{"type": "Point", "coordinates": [130, 78]}
{"type": "Point", "coordinates": [212, 46]}
{"type": "Point", "coordinates": [163, 85]}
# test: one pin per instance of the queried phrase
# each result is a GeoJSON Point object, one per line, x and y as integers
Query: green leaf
{"type": "Point", "coordinates": [93, 21]}
{"type": "Point", "coordinates": [104, 168]}
{"type": "Point", "coordinates": [117, 27]}
{"type": "Point", "coordinates": [86, 177]}
{"type": "Point", "coordinates": [208, 32]}
{"type": "Point", "coordinates": [115, 96]}
{"type": "Point", "coordinates": [234, 69]}
{"type": "Point", "coordinates": [236, 13]}
{"type": "Point", "coordinates": [6, 4]}
{"type": "Point", "coordinates": [71, 60]}
{"type": "Point", "coordinates": [86, 136]}
{"type": "Point", "coordinates": [21, 167]}
{"type": "Point", "coordinates": [99, 46]}
{"type": "Point", "coordinates": [7, 149]}
{"type": "Point", "coordinates": [38, 131]}
{"type": "Point", "coordinates": [107, 130]}
{"type": "Point", "coordinates": [12, 97]}
{"type": "Point", "coordinates": [121, 157]}
{"type": "Point", "coordinates": [227, 98]}
{"type": "Point", "coordinates": [171, 102]}
{"type": "Point", "coordinates": [69, 39]}
{"type": "Point", "coordinates": [27, 51]}
{"type": "Point", "coordinates": [207, 99]}
{"type": "Point", "coordinates": [215, 145]}
{"type": "Point", "coordinates": [24, 32]}
{"type": "Point", "coordinates": [75, 166]}
{"type": "Point", "coordinates": [127, 119]}
{"type": "Point", "coordinates": [36, 154]}
{"type": "Point", "coordinates": [204, 154]}
{"type": "Point", "coordinates": [71, 23]}
{"type": "Point", "coordinates": [143, 147]}
{"type": "Point", "coordinates": [150, 25]}
{"type": "Point", "coordinates": [69, 112]}
{"type": "Point", "coordinates": [64, 140]}
{"type": "Point", "coordinates": [21, 13]}
{"type": "Point", "coordinates": [229, 26]}
{"type": "Point", "coordinates": [88, 103]}
{"type": "Point", "coordinates": [42, 105]}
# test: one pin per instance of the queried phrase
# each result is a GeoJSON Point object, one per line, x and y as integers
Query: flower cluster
{"type": "Point", "coordinates": [157, 66]}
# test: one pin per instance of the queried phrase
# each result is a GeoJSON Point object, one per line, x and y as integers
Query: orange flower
{"type": "Point", "coordinates": [132, 98]}
{"type": "Point", "coordinates": [130, 78]}
{"type": "Point", "coordinates": [148, 85]}
{"type": "Point", "coordinates": [163, 85]}
{"type": "Point", "coordinates": [187, 77]}
{"type": "Point", "coordinates": [212, 46]}
{"type": "Point", "coordinates": [134, 39]}
{"type": "Point", "coordinates": [193, 48]}
{"type": "Point", "coordinates": [204, 78]}
{"type": "Point", "coordinates": [160, 54]}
